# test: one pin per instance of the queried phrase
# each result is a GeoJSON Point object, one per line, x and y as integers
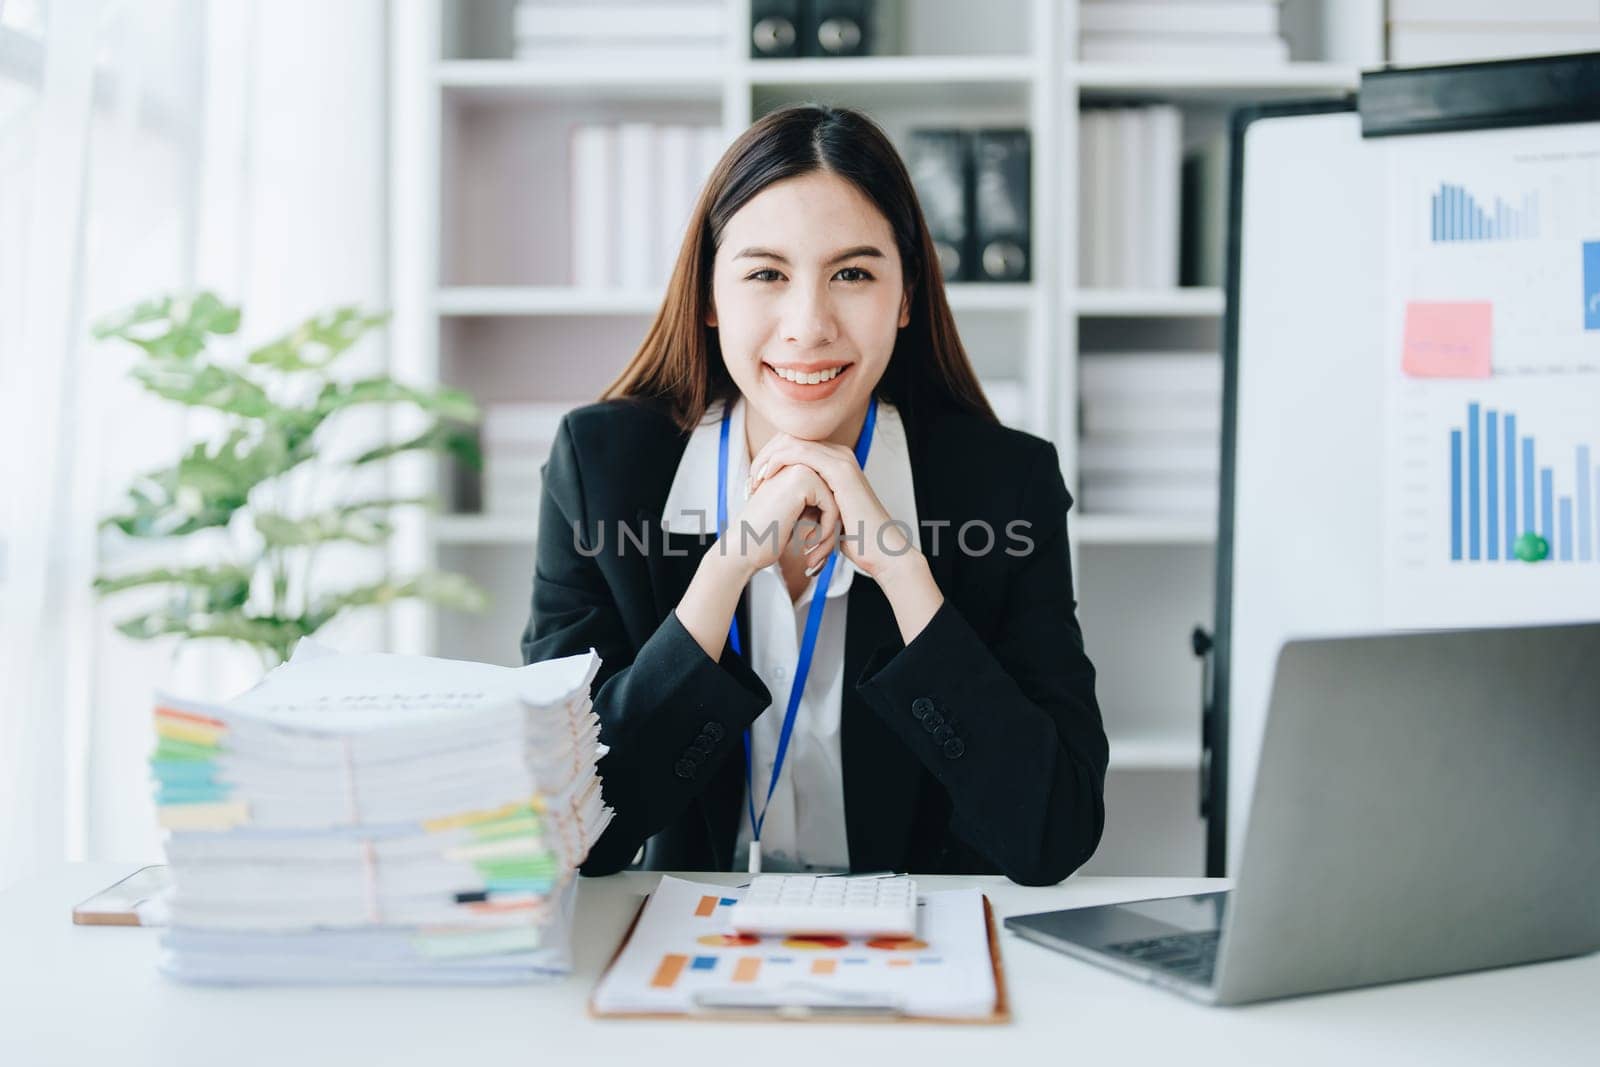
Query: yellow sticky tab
{"type": "Point", "coordinates": [470, 818]}
{"type": "Point", "coordinates": [191, 732]}
{"type": "Point", "coordinates": [204, 816]}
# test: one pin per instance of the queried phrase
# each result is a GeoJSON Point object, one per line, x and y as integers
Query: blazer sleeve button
{"type": "Point", "coordinates": [921, 708]}
{"type": "Point", "coordinates": [932, 722]}
{"type": "Point", "coordinates": [943, 734]}
{"type": "Point", "coordinates": [702, 745]}
{"type": "Point", "coordinates": [714, 731]}
{"type": "Point", "coordinates": [683, 769]}
{"type": "Point", "coordinates": [953, 748]}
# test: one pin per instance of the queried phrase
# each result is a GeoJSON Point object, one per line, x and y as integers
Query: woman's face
{"type": "Point", "coordinates": [807, 298]}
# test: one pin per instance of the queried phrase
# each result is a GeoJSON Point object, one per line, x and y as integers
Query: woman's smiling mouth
{"type": "Point", "coordinates": [815, 382]}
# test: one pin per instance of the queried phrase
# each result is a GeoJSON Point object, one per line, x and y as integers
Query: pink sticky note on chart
{"type": "Point", "coordinates": [1448, 340]}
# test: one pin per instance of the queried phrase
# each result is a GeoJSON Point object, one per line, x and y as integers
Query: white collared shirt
{"type": "Point", "coordinates": [804, 827]}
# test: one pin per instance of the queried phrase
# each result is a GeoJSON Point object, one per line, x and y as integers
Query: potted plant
{"type": "Point", "coordinates": [250, 508]}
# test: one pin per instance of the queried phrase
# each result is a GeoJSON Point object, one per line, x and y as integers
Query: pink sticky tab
{"type": "Point", "coordinates": [1448, 340]}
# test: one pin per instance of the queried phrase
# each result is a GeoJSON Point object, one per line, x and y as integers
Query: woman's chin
{"type": "Point", "coordinates": [812, 421]}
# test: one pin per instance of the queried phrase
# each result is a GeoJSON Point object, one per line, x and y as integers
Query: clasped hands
{"type": "Point", "coordinates": [815, 495]}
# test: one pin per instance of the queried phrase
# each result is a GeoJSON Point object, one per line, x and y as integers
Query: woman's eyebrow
{"type": "Point", "coordinates": [848, 253]}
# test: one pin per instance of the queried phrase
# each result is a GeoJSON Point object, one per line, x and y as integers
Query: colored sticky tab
{"type": "Point", "coordinates": [1448, 340]}
{"type": "Point", "coordinates": [1591, 285]}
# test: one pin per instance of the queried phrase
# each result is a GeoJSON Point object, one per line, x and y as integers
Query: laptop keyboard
{"type": "Point", "coordinates": [1191, 956]}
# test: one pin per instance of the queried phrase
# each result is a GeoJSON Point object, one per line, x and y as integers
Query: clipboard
{"type": "Point", "coordinates": [841, 1011]}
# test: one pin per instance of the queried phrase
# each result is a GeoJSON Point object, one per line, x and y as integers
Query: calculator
{"type": "Point", "coordinates": [826, 904]}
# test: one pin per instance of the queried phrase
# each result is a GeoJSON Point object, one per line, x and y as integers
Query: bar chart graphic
{"type": "Point", "coordinates": [1504, 485]}
{"type": "Point", "coordinates": [1458, 215]}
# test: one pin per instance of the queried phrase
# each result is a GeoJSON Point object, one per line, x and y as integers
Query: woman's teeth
{"type": "Point", "coordinates": [805, 378]}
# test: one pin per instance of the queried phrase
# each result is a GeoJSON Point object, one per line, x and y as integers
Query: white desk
{"type": "Point", "coordinates": [88, 996]}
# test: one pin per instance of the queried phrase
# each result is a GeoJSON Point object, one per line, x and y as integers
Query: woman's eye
{"type": "Point", "coordinates": [861, 275]}
{"type": "Point", "coordinates": [762, 275]}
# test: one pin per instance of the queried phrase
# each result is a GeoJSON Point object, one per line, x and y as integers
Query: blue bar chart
{"type": "Point", "coordinates": [1458, 215]}
{"type": "Point", "coordinates": [1503, 486]}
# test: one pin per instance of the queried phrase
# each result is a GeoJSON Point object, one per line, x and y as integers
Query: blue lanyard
{"type": "Point", "coordinates": [808, 643]}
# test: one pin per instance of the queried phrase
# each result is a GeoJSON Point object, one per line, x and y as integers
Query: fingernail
{"type": "Point", "coordinates": [815, 567]}
{"type": "Point", "coordinates": [762, 473]}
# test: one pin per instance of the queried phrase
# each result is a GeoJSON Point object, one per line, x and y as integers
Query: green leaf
{"type": "Point", "coordinates": [440, 437]}
{"type": "Point", "coordinates": [205, 385]}
{"type": "Point", "coordinates": [318, 341]}
{"type": "Point", "coordinates": [208, 486]}
{"type": "Point", "coordinates": [121, 323]}
{"type": "Point", "coordinates": [211, 589]}
{"type": "Point", "coordinates": [364, 522]}
{"type": "Point", "coordinates": [172, 328]}
{"type": "Point", "coordinates": [441, 403]}
{"type": "Point", "coordinates": [273, 634]}
{"type": "Point", "coordinates": [451, 591]}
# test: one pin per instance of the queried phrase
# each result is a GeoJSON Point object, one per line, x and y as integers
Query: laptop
{"type": "Point", "coordinates": [1425, 804]}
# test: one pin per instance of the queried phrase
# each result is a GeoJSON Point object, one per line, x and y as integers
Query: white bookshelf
{"type": "Point", "coordinates": [478, 202]}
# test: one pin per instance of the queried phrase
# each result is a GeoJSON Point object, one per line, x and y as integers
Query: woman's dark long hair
{"type": "Point", "coordinates": [680, 360]}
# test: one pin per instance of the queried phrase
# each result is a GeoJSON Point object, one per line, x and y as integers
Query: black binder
{"type": "Point", "coordinates": [1000, 206]}
{"type": "Point", "coordinates": [775, 28]}
{"type": "Point", "coordinates": [937, 160]}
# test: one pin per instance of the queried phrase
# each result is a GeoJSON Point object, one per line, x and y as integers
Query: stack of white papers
{"type": "Point", "coordinates": [380, 818]}
{"type": "Point", "coordinates": [1152, 433]}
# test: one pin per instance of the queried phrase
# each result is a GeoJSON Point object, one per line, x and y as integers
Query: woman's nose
{"type": "Point", "coordinates": [808, 320]}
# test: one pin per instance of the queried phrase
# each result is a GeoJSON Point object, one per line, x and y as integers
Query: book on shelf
{"type": "Point", "coordinates": [1494, 12]}
{"type": "Point", "coordinates": [632, 187]}
{"type": "Point", "coordinates": [1150, 432]}
{"type": "Point", "coordinates": [613, 33]}
{"type": "Point", "coordinates": [1101, 173]}
{"type": "Point", "coordinates": [1150, 374]}
{"type": "Point", "coordinates": [1125, 414]}
{"type": "Point", "coordinates": [1203, 239]}
{"type": "Point", "coordinates": [1129, 175]}
{"type": "Point", "coordinates": [1184, 50]}
{"type": "Point", "coordinates": [1155, 497]}
{"type": "Point", "coordinates": [1436, 31]}
{"type": "Point", "coordinates": [635, 237]}
{"type": "Point", "coordinates": [1425, 45]}
{"type": "Point", "coordinates": [594, 175]}
{"type": "Point", "coordinates": [1149, 453]}
{"type": "Point", "coordinates": [1181, 32]}
{"type": "Point", "coordinates": [516, 442]}
{"type": "Point", "coordinates": [607, 20]}
{"type": "Point", "coordinates": [1249, 17]}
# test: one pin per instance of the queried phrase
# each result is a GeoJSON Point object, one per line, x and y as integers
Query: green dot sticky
{"type": "Point", "coordinates": [1531, 548]}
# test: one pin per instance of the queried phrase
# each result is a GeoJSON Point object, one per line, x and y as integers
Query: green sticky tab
{"type": "Point", "coordinates": [169, 750]}
{"type": "Point", "coordinates": [1531, 548]}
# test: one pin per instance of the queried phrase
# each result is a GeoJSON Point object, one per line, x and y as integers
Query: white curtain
{"type": "Point", "coordinates": [147, 147]}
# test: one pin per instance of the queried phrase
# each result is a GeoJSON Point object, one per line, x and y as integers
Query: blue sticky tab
{"type": "Point", "coordinates": [1591, 285]}
{"type": "Point", "coordinates": [703, 963]}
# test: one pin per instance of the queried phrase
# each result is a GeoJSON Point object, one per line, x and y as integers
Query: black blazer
{"type": "Point", "coordinates": [977, 748]}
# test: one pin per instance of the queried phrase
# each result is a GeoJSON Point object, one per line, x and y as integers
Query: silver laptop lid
{"type": "Point", "coordinates": [1425, 803]}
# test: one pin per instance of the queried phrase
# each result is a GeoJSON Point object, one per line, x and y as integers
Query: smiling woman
{"type": "Point", "coordinates": [803, 404]}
